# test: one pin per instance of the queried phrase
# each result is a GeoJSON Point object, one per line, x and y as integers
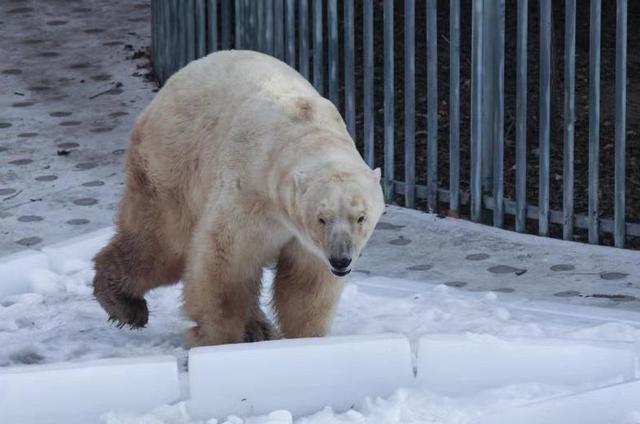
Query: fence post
{"type": "Point", "coordinates": [476, 109]}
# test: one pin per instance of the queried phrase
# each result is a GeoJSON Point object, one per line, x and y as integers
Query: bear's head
{"type": "Point", "coordinates": [339, 214]}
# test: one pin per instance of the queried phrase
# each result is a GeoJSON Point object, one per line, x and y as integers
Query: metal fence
{"type": "Point", "coordinates": [317, 38]}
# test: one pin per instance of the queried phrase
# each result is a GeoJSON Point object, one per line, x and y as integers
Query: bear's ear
{"type": "Point", "coordinates": [377, 174]}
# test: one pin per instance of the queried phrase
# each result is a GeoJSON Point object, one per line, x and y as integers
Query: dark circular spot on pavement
{"type": "Point", "coordinates": [6, 191]}
{"type": "Point", "coordinates": [567, 293]}
{"type": "Point", "coordinates": [5, 124]}
{"type": "Point", "coordinates": [615, 297]}
{"type": "Point", "coordinates": [82, 65]}
{"type": "Point", "coordinates": [613, 275]}
{"type": "Point", "coordinates": [113, 43]}
{"type": "Point", "coordinates": [21, 10]}
{"type": "Point", "coordinates": [21, 162]}
{"type": "Point", "coordinates": [29, 241]}
{"type": "Point", "coordinates": [477, 257]}
{"type": "Point", "coordinates": [455, 283]}
{"type": "Point", "coordinates": [86, 165]}
{"type": "Point", "coordinates": [12, 71]}
{"type": "Point", "coordinates": [388, 226]}
{"type": "Point", "coordinates": [47, 178]}
{"type": "Point", "coordinates": [118, 151]}
{"type": "Point", "coordinates": [95, 183]}
{"type": "Point", "coordinates": [68, 145]}
{"type": "Point", "coordinates": [28, 135]}
{"type": "Point", "coordinates": [503, 290]}
{"type": "Point", "coordinates": [101, 129]}
{"type": "Point", "coordinates": [400, 241]}
{"type": "Point", "coordinates": [23, 104]}
{"type": "Point", "coordinates": [562, 267]}
{"type": "Point", "coordinates": [422, 267]}
{"type": "Point", "coordinates": [503, 269]}
{"type": "Point", "coordinates": [117, 114]}
{"type": "Point", "coordinates": [56, 23]}
{"type": "Point", "coordinates": [60, 114]}
{"type": "Point", "coordinates": [78, 221]}
{"type": "Point", "coordinates": [49, 54]}
{"type": "Point", "coordinates": [102, 77]}
{"type": "Point", "coordinates": [27, 358]}
{"type": "Point", "coordinates": [86, 201]}
{"type": "Point", "coordinates": [33, 41]}
{"type": "Point", "coordinates": [30, 218]}
{"type": "Point", "coordinates": [94, 30]}
{"type": "Point", "coordinates": [69, 123]}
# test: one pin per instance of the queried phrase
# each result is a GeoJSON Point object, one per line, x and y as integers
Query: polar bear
{"type": "Point", "coordinates": [239, 163]}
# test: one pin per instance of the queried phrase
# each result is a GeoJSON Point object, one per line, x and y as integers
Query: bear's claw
{"type": "Point", "coordinates": [125, 311]}
{"type": "Point", "coordinates": [260, 330]}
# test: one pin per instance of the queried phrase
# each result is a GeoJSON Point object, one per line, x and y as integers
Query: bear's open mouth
{"type": "Point", "coordinates": [340, 273]}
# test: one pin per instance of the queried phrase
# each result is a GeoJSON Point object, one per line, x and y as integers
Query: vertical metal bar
{"type": "Point", "coordinates": [278, 29]}
{"type": "Point", "coordinates": [318, 75]}
{"type": "Point", "coordinates": [254, 36]}
{"type": "Point", "coordinates": [303, 38]}
{"type": "Point", "coordinates": [212, 12]}
{"type": "Point", "coordinates": [332, 24]}
{"type": "Point", "coordinates": [569, 117]}
{"type": "Point", "coordinates": [389, 103]}
{"type": "Point", "coordinates": [498, 122]}
{"type": "Point", "coordinates": [250, 24]}
{"type": "Point", "coordinates": [621, 122]}
{"type": "Point", "coordinates": [303, 22]}
{"type": "Point", "coordinates": [476, 109]}
{"type": "Point", "coordinates": [409, 104]}
{"type": "Point", "coordinates": [545, 116]}
{"type": "Point", "coordinates": [268, 5]}
{"type": "Point", "coordinates": [521, 116]}
{"type": "Point", "coordinates": [488, 91]}
{"type": "Point", "coordinates": [454, 105]}
{"type": "Point", "coordinates": [432, 105]}
{"type": "Point", "coordinates": [201, 28]}
{"type": "Point", "coordinates": [291, 32]}
{"type": "Point", "coordinates": [238, 24]}
{"type": "Point", "coordinates": [594, 119]}
{"type": "Point", "coordinates": [261, 27]}
{"type": "Point", "coordinates": [349, 68]}
{"type": "Point", "coordinates": [189, 31]}
{"type": "Point", "coordinates": [225, 24]}
{"type": "Point", "coordinates": [368, 71]}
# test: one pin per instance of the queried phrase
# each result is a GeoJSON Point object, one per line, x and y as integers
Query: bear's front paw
{"type": "Point", "coordinates": [258, 330]}
{"type": "Point", "coordinates": [124, 310]}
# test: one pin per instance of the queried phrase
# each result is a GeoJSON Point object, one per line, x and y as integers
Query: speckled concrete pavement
{"type": "Point", "coordinates": [68, 100]}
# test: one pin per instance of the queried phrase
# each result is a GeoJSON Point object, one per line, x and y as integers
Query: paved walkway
{"type": "Point", "coordinates": [69, 93]}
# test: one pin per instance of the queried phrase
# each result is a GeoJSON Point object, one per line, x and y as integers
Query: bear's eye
{"type": "Point", "coordinates": [362, 219]}
{"type": "Point", "coordinates": [322, 221]}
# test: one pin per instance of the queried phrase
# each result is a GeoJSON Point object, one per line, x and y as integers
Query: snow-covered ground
{"type": "Point", "coordinates": [56, 319]}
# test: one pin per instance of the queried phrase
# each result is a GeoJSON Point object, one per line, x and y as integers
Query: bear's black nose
{"type": "Point", "coordinates": [340, 264]}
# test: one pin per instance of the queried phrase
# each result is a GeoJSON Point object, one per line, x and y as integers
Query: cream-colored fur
{"type": "Point", "coordinates": [238, 163]}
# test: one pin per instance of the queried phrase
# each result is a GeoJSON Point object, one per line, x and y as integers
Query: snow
{"type": "Point", "coordinates": [300, 375]}
{"type": "Point", "coordinates": [49, 316]}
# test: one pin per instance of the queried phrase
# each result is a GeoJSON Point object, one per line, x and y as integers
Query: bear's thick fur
{"type": "Point", "coordinates": [239, 163]}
